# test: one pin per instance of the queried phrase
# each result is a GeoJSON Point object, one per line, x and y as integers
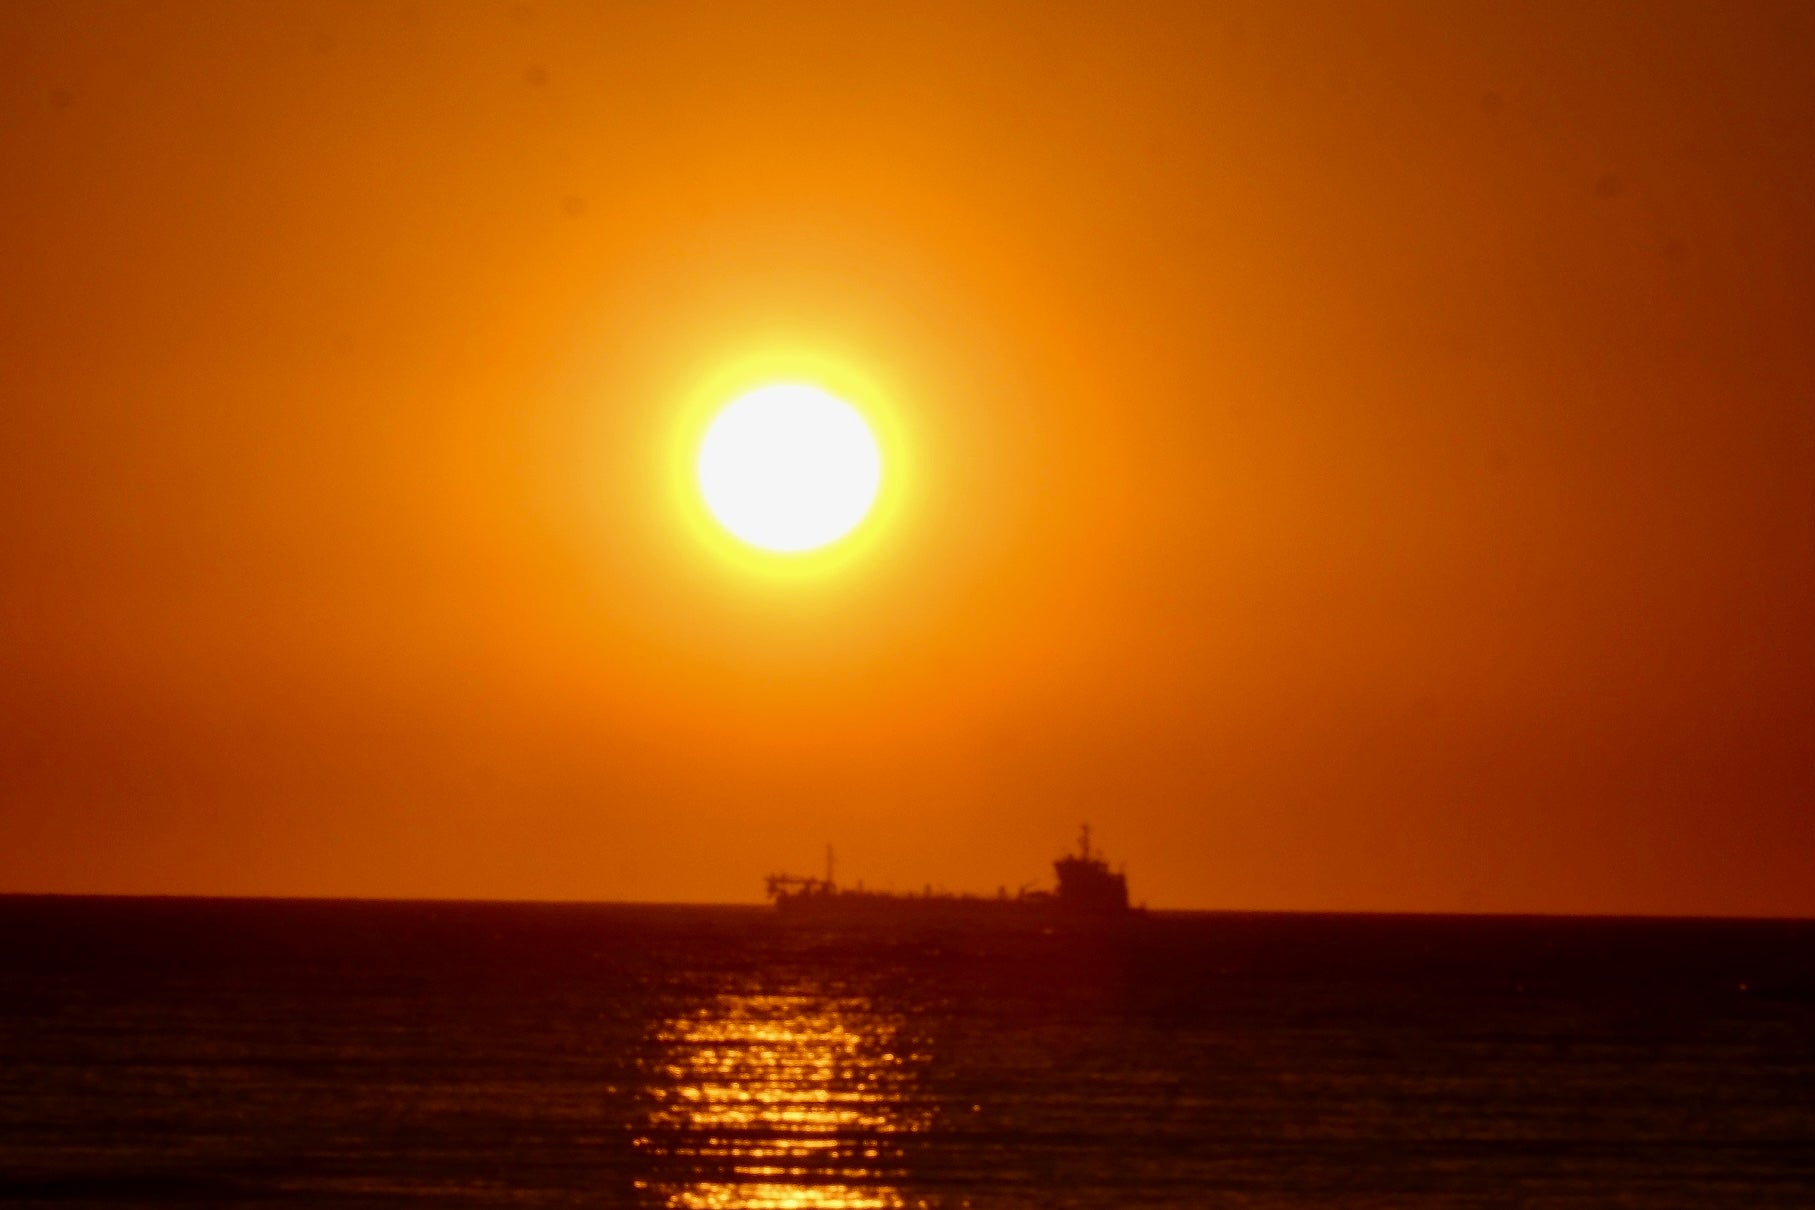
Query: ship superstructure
{"type": "Point", "coordinates": [1087, 889]}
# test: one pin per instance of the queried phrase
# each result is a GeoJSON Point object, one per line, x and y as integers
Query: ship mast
{"type": "Point", "coordinates": [1084, 843]}
{"type": "Point", "coordinates": [828, 867]}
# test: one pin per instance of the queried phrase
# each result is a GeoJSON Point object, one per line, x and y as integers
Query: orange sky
{"type": "Point", "coordinates": [1363, 455]}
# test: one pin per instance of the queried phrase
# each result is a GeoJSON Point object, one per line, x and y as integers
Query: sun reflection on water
{"type": "Point", "coordinates": [765, 1102]}
{"type": "Point", "coordinates": [717, 1196]}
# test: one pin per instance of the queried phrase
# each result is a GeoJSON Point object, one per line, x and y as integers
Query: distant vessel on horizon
{"type": "Point", "coordinates": [1087, 890]}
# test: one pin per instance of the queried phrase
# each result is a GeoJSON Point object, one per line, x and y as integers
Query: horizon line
{"type": "Point", "coordinates": [1418, 913]}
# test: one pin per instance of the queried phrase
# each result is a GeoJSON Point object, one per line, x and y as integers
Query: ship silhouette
{"type": "Point", "coordinates": [1087, 890]}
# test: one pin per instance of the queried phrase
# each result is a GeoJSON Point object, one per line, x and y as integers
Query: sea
{"type": "Point", "coordinates": [193, 1052]}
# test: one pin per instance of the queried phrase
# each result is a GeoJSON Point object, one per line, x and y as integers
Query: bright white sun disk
{"type": "Point", "coordinates": [789, 468]}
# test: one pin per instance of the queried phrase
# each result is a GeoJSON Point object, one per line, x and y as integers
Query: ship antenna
{"type": "Point", "coordinates": [1084, 842]}
{"type": "Point", "coordinates": [828, 867]}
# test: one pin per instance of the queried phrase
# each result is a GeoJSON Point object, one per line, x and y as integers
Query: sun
{"type": "Point", "coordinates": [789, 468]}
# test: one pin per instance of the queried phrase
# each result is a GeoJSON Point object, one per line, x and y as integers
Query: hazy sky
{"type": "Point", "coordinates": [1355, 455]}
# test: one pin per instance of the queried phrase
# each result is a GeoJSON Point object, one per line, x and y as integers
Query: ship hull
{"type": "Point", "coordinates": [941, 910]}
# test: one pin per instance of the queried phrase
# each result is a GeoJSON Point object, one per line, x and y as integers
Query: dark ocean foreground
{"type": "Point", "coordinates": [189, 1052]}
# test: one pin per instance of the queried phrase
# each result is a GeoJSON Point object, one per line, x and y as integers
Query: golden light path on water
{"type": "Point", "coordinates": [766, 1102]}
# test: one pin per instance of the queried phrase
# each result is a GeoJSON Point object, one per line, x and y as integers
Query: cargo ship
{"type": "Point", "coordinates": [1087, 890]}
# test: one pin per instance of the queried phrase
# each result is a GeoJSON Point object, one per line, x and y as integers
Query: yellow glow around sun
{"type": "Point", "coordinates": [789, 468]}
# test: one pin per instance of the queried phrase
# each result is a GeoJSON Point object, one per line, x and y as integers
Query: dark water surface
{"type": "Point", "coordinates": [192, 1052]}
